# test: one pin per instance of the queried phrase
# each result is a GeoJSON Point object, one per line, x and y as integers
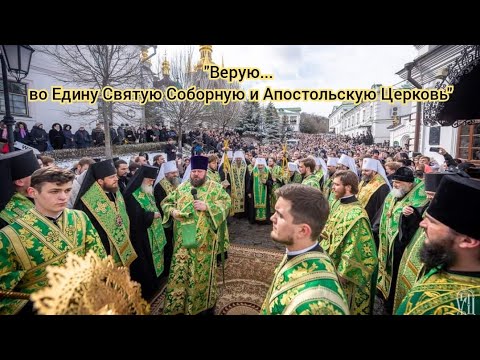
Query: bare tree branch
{"type": "Point", "coordinates": [97, 66]}
{"type": "Point", "coordinates": [186, 114]}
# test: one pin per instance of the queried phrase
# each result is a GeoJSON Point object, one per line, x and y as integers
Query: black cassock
{"type": "Point", "coordinates": [160, 194]}
{"type": "Point", "coordinates": [142, 268]}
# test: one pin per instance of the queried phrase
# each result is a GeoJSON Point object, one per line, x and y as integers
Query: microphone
{"type": "Point", "coordinates": [194, 193]}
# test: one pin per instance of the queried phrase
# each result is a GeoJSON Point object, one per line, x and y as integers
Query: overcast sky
{"type": "Point", "coordinates": [311, 66]}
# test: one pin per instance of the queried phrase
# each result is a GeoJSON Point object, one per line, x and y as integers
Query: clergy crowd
{"type": "Point", "coordinates": [367, 229]}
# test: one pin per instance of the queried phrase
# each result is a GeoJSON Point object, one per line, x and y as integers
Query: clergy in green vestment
{"type": "Point", "coordinates": [146, 230]}
{"type": "Point", "coordinates": [305, 282]}
{"type": "Point", "coordinates": [213, 175]}
{"type": "Point", "coordinates": [197, 208]}
{"type": "Point", "coordinates": [41, 237]}
{"type": "Point", "coordinates": [16, 169]}
{"type": "Point", "coordinates": [374, 187]}
{"type": "Point", "coordinates": [407, 191]}
{"type": "Point", "coordinates": [167, 181]}
{"type": "Point", "coordinates": [411, 268]}
{"type": "Point", "coordinates": [293, 175]}
{"type": "Point", "coordinates": [327, 187]}
{"type": "Point", "coordinates": [277, 172]}
{"type": "Point", "coordinates": [307, 169]}
{"type": "Point", "coordinates": [240, 178]}
{"type": "Point", "coordinates": [348, 239]}
{"type": "Point", "coordinates": [258, 192]}
{"type": "Point", "coordinates": [321, 171]}
{"type": "Point", "coordinates": [99, 197]}
{"type": "Point", "coordinates": [451, 253]}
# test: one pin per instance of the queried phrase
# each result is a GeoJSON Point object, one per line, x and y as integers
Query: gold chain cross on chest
{"type": "Point", "coordinates": [118, 218]}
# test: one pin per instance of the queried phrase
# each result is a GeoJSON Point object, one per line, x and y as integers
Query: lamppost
{"type": "Point", "coordinates": [18, 59]}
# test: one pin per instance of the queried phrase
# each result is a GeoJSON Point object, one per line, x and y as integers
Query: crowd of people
{"type": "Point", "coordinates": [367, 228]}
{"type": "Point", "coordinates": [61, 136]}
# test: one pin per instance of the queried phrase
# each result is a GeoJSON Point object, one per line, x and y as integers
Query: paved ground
{"type": "Point", "coordinates": [243, 233]}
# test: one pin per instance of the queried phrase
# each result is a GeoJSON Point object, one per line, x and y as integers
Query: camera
{"type": "Point", "coordinates": [435, 149]}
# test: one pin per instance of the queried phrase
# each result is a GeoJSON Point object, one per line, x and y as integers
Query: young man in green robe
{"type": "Point", "coordinates": [348, 239]}
{"type": "Point", "coordinates": [99, 197]}
{"type": "Point", "coordinates": [407, 191]}
{"type": "Point", "coordinates": [307, 169]}
{"type": "Point", "coordinates": [16, 169]}
{"type": "Point", "coordinates": [197, 208]}
{"type": "Point", "coordinates": [451, 253]}
{"type": "Point", "coordinates": [43, 236]}
{"type": "Point", "coordinates": [146, 231]}
{"type": "Point", "coordinates": [305, 282]}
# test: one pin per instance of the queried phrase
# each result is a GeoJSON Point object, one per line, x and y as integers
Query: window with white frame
{"type": "Point", "coordinates": [18, 98]}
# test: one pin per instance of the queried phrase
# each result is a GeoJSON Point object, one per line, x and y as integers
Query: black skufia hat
{"type": "Point", "coordinates": [404, 174]}
{"type": "Point", "coordinates": [22, 163]}
{"type": "Point", "coordinates": [102, 169]}
{"type": "Point", "coordinates": [432, 180]}
{"type": "Point", "coordinates": [150, 172]}
{"type": "Point", "coordinates": [8, 189]}
{"type": "Point", "coordinates": [199, 162]}
{"type": "Point", "coordinates": [145, 171]}
{"type": "Point", "coordinates": [456, 203]}
{"type": "Point", "coordinates": [96, 171]}
{"type": "Point", "coordinates": [14, 166]}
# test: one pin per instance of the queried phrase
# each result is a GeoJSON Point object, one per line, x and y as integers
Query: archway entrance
{"type": "Point", "coordinates": [405, 141]}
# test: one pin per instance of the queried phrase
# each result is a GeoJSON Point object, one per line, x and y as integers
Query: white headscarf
{"type": "Point", "coordinates": [167, 167]}
{"type": "Point", "coordinates": [292, 166]}
{"type": "Point", "coordinates": [260, 161]}
{"type": "Point", "coordinates": [239, 154]}
{"type": "Point", "coordinates": [186, 176]}
{"type": "Point", "coordinates": [375, 165]}
{"type": "Point", "coordinates": [332, 161]}
{"type": "Point", "coordinates": [320, 162]}
{"type": "Point", "coordinates": [348, 162]}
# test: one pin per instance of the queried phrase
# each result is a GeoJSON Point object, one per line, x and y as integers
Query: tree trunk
{"type": "Point", "coordinates": [180, 145]}
{"type": "Point", "coordinates": [106, 127]}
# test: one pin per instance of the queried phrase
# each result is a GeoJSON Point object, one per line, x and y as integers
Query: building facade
{"type": "Point", "coordinates": [375, 117]}
{"type": "Point", "coordinates": [335, 118]}
{"type": "Point", "coordinates": [453, 125]}
{"type": "Point", "coordinates": [293, 116]}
